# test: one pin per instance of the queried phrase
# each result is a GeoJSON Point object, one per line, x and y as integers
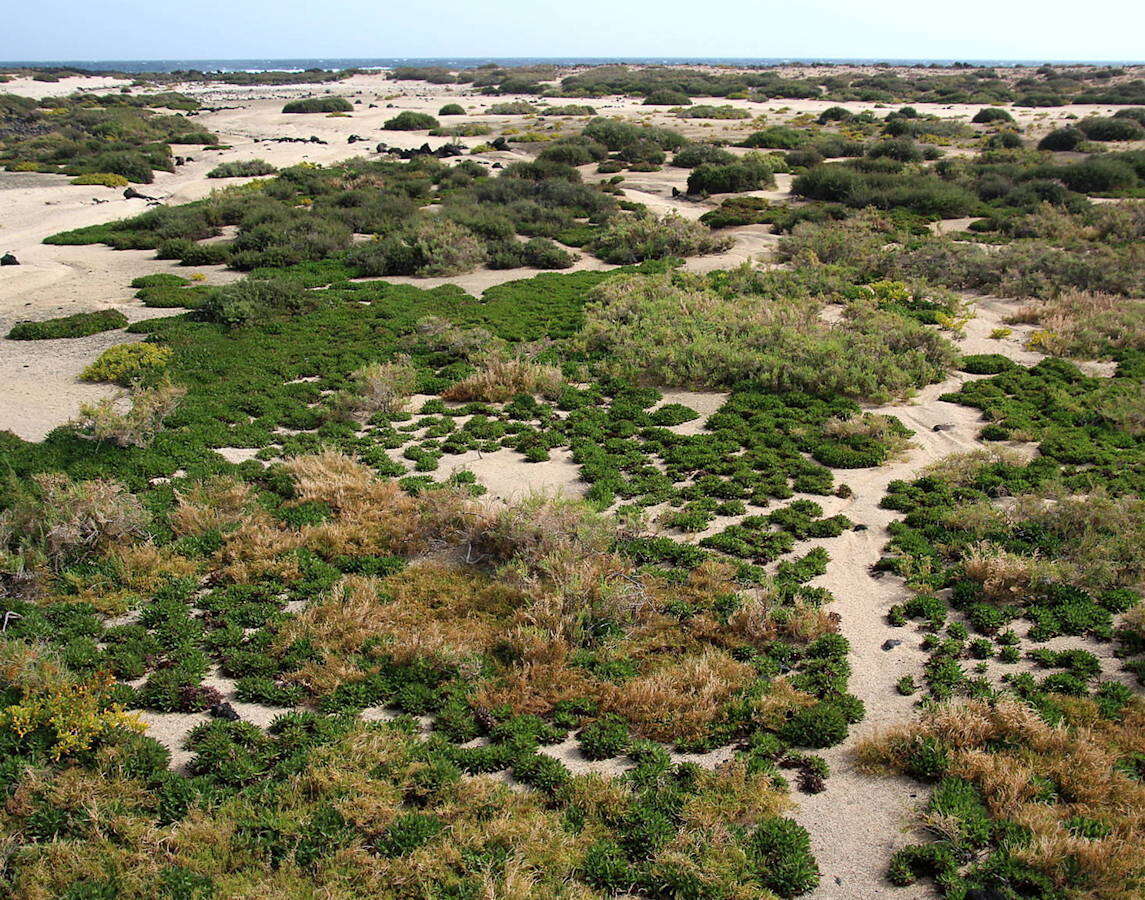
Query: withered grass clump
{"type": "Point", "coordinates": [379, 388]}
{"type": "Point", "coordinates": [1047, 781]}
{"type": "Point", "coordinates": [139, 423]}
{"type": "Point", "coordinates": [59, 521]}
{"type": "Point", "coordinates": [1085, 324]}
{"type": "Point", "coordinates": [501, 378]}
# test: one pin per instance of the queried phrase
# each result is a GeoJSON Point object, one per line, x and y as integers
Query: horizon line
{"type": "Point", "coordinates": [770, 60]}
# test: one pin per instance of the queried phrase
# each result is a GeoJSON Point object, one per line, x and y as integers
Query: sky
{"type": "Point", "coordinates": [1035, 30]}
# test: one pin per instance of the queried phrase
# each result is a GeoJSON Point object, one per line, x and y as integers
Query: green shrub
{"type": "Point", "coordinates": [319, 105]}
{"type": "Point", "coordinates": [899, 149]}
{"type": "Point", "coordinates": [990, 114]}
{"type": "Point", "coordinates": [256, 298]}
{"type": "Point", "coordinates": [835, 114]}
{"type": "Point", "coordinates": [408, 832]}
{"type": "Point", "coordinates": [512, 108]}
{"type": "Point", "coordinates": [452, 109]}
{"type": "Point", "coordinates": [1100, 128]}
{"type": "Point", "coordinates": [1062, 139]}
{"type": "Point", "coordinates": [77, 325]}
{"type": "Point", "coordinates": [604, 738]}
{"type": "Point", "coordinates": [692, 155]}
{"type": "Point", "coordinates": [160, 279]}
{"type": "Point", "coordinates": [779, 851]}
{"type": "Point", "coordinates": [778, 137]}
{"type": "Point", "coordinates": [667, 98]}
{"type": "Point", "coordinates": [242, 168]}
{"type": "Point", "coordinates": [818, 726]}
{"type": "Point", "coordinates": [750, 173]}
{"type": "Point", "coordinates": [125, 364]}
{"type": "Point", "coordinates": [410, 121]}
{"type": "Point", "coordinates": [101, 179]}
{"type": "Point", "coordinates": [631, 239]}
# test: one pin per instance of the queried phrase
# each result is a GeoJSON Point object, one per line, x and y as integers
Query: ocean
{"type": "Point", "coordinates": [262, 65]}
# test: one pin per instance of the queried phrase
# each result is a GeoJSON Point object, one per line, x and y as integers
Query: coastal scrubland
{"type": "Point", "coordinates": [285, 615]}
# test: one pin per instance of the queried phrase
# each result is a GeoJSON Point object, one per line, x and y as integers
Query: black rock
{"type": "Point", "coordinates": [891, 644]}
{"type": "Point", "coordinates": [354, 138]}
{"type": "Point", "coordinates": [859, 527]}
{"type": "Point", "coordinates": [943, 427]}
{"type": "Point", "coordinates": [9, 259]}
{"type": "Point", "coordinates": [132, 194]}
{"type": "Point", "coordinates": [224, 711]}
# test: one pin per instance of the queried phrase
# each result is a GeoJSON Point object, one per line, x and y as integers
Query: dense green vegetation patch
{"type": "Point", "coordinates": [77, 325]}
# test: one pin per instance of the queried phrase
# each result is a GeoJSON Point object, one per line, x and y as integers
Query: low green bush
{"type": "Point", "coordinates": [242, 168]}
{"type": "Point", "coordinates": [990, 114]}
{"type": "Point", "coordinates": [1062, 139]}
{"type": "Point", "coordinates": [410, 121]}
{"type": "Point", "coordinates": [1100, 128]}
{"type": "Point", "coordinates": [319, 105]}
{"type": "Point", "coordinates": [667, 98]}
{"type": "Point", "coordinates": [77, 325]}
{"type": "Point", "coordinates": [125, 364]}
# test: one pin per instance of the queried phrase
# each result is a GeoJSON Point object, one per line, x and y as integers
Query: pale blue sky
{"type": "Point", "coordinates": [229, 29]}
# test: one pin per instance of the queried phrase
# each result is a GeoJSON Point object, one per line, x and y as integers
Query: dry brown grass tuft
{"type": "Point", "coordinates": [136, 426]}
{"type": "Point", "coordinates": [677, 702]}
{"type": "Point", "coordinates": [883, 428]}
{"type": "Point", "coordinates": [963, 468]}
{"type": "Point", "coordinates": [1100, 539]}
{"type": "Point", "coordinates": [379, 388]}
{"type": "Point", "coordinates": [1000, 747]}
{"type": "Point", "coordinates": [1002, 574]}
{"type": "Point", "coordinates": [502, 378]}
{"type": "Point", "coordinates": [220, 503]}
{"type": "Point", "coordinates": [60, 520]}
{"type": "Point", "coordinates": [338, 624]}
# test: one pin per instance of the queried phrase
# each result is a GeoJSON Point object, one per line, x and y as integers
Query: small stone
{"type": "Point", "coordinates": [9, 259]}
{"type": "Point", "coordinates": [224, 711]}
{"type": "Point", "coordinates": [945, 426]}
{"type": "Point", "coordinates": [891, 643]}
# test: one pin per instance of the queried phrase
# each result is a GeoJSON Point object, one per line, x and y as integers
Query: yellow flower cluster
{"type": "Point", "coordinates": [78, 715]}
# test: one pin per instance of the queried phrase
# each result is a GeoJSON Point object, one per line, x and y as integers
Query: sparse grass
{"type": "Point", "coordinates": [380, 388]}
{"type": "Point", "coordinates": [1085, 325]}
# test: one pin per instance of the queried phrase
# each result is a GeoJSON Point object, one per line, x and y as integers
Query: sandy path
{"type": "Point", "coordinates": [859, 820]}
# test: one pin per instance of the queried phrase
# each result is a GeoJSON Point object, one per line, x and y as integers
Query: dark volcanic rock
{"type": "Point", "coordinates": [224, 711]}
